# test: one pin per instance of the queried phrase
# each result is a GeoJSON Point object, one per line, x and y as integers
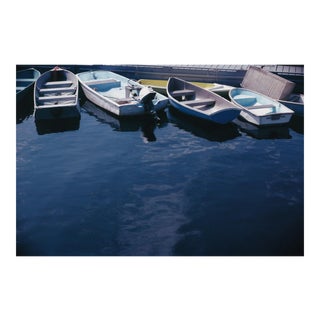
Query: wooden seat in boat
{"type": "Point", "coordinates": [56, 98]}
{"type": "Point", "coordinates": [199, 102]}
{"type": "Point", "coordinates": [58, 84]}
{"type": "Point", "coordinates": [180, 93]}
{"type": "Point", "coordinates": [56, 90]}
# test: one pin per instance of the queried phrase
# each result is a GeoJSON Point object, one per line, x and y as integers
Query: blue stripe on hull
{"type": "Point", "coordinates": [225, 116]}
{"type": "Point", "coordinates": [221, 117]}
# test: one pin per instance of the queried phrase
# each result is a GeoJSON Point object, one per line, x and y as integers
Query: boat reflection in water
{"type": "Point", "coordinates": [202, 128]}
{"type": "Point", "coordinates": [55, 125]}
{"type": "Point", "coordinates": [267, 132]}
{"type": "Point", "coordinates": [146, 123]}
{"type": "Point", "coordinates": [24, 108]}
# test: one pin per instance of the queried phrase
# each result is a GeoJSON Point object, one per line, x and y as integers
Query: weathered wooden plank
{"type": "Point", "coordinates": [268, 68]}
{"type": "Point", "coordinates": [299, 70]}
{"type": "Point", "coordinates": [279, 69]}
{"type": "Point", "coordinates": [286, 69]}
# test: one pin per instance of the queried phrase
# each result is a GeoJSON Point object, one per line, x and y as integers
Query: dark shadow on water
{"type": "Point", "coordinates": [145, 123]}
{"type": "Point", "coordinates": [297, 124]}
{"type": "Point", "coordinates": [214, 235]}
{"type": "Point", "coordinates": [268, 132]}
{"type": "Point", "coordinates": [57, 125]}
{"type": "Point", "coordinates": [24, 107]}
{"type": "Point", "coordinates": [202, 128]}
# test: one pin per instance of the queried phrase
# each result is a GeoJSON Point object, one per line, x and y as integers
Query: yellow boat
{"type": "Point", "coordinates": [161, 86]}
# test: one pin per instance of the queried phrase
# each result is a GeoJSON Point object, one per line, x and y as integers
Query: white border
{"type": "Point", "coordinates": [145, 32]}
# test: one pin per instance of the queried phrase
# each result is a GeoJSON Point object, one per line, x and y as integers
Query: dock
{"type": "Point", "coordinates": [225, 74]}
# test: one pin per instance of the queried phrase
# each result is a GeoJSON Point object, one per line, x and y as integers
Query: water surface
{"type": "Point", "coordinates": [108, 187]}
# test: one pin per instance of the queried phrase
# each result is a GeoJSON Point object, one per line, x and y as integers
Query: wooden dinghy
{"type": "Point", "coordinates": [25, 80]}
{"type": "Point", "coordinates": [56, 95]}
{"type": "Point", "coordinates": [199, 102]}
{"type": "Point", "coordinates": [120, 95]}
{"type": "Point", "coordinates": [260, 109]}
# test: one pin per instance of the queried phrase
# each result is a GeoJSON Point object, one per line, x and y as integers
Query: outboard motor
{"type": "Point", "coordinates": [146, 95]}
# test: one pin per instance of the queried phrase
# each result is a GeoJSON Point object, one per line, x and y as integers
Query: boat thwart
{"type": "Point", "coordinates": [201, 103]}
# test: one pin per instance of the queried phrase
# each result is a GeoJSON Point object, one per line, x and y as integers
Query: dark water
{"type": "Point", "coordinates": [105, 187]}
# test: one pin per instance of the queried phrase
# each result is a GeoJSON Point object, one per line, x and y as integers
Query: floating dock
{"type": "Point", "coordinates": [225, 74]}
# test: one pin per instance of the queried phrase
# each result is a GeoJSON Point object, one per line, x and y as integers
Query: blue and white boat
{"type": "Point", "coordinates": [258, 108]}
{"type": "Point", "coordinates": [201, 103]}
{"type": "Point", "coordinates": [120, 95]}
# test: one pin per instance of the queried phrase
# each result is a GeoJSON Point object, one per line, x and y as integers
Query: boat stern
{"type": "Point", "coordinates": [225, 116]}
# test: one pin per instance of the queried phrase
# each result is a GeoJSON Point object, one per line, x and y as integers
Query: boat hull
{"type": "Point", "coordinates": [223, 117]}
{"type": "Point", "coordinates": [259, 109]}
{"type": "Point", "coordinates": [60, 112]}
{"type": "Point", "coordinates": [266, 120]}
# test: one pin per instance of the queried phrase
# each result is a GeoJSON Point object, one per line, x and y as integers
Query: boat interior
{"type": "Point", "coordinates": [57, 89]}
{"type": "Point", "coordinates": [122, 92]}
{"type": "Point", "coordinates": [245, 100]}
{"type": "Point", "coordinates": [23, 83]}
{"type": "Point", "coordinates": [102, 85]}
{"type": "Point", "coordinates": [251, 103]}
{"type": "Point", "coordinates": [189, 98]}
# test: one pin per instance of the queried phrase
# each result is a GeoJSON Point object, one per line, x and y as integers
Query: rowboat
{"type": "Point", "coordinates": [56, 95]}
{"type": "Point", "coordinates": [275, 87]}
{"type": "Point", "coordinates": [258, 108]}
{"type": "Point", "coordinates": [25, 80]}
{"type": "Point", "coordinates": [161, 86]}
{"type": "Point", "coordinates": [120, 95]}
{"type": "Point", "coordinates": [199, 102]}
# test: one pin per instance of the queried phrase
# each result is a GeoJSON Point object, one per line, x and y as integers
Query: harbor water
{"type": "Point", "coordinates": [108, 187]}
